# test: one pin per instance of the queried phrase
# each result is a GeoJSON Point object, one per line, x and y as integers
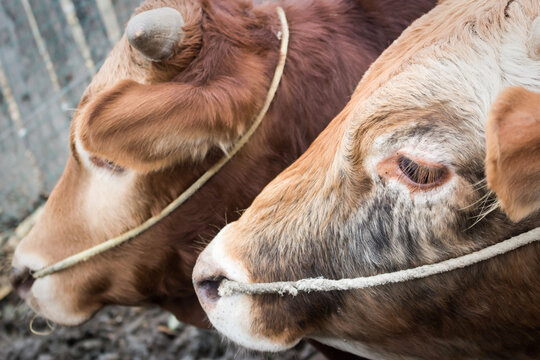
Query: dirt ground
{"type": "Point", "coordinates": [114, 333]}
{"type": "Point", "coordinates": [120, 333]}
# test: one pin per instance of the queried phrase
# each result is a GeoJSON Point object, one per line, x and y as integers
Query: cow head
{"type": "Point", "coordinates": [174, 94]}
{"type": "Point", "coordinates": [396, 181]}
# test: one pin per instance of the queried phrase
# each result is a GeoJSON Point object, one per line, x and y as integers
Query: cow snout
{"type": "Point", "coordinates": [21, 279]}
{"type": "Point", "coordinates": [231, 315]}
{"type": "Point", "coordinates": [209, 288]}
{"type": "Point", "coordinates": [207, 278]}
{"type": "Point", "coordinates": [213, 266]}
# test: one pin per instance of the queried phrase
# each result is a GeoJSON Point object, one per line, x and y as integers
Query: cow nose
{"type": "Point", "coordinates": [209, 288]}
{"type": "Point", "coordinates": [206, 279]}
{"type": "Point", "coordinates": [21, 279]}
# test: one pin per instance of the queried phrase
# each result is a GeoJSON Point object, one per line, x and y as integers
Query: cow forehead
{"type": "Point", "coordinates": [449, 65]}
{"type": "Point", "coordinates": [433, 134]}
{"type": "Point", "coordinates": [464, 51]}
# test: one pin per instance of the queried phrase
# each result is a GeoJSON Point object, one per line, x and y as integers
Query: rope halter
{"type": "Point", "coordinates": [229, 288]}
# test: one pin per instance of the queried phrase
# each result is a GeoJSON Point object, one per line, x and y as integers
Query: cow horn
{"type": "Point", "coordinates": [155, 33]}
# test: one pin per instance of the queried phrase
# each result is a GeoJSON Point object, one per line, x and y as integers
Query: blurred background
{"type": "Point", "coordinates": [49, 51]}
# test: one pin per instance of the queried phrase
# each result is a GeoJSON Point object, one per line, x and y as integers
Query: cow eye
{"type": "Point", "coordinates": [104, 163]}
{"type": "Point", "coordinates": [420, 174]}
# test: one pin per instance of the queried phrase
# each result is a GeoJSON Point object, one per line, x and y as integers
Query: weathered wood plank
{"type": "Point", "coordinates": [20, 178]}
{"type": "Point", "coordinates": [94, 29]}
{"type": "Point", "coordinates": [124, 9]}
{"type": "Point", "coordinates": [48, 49]}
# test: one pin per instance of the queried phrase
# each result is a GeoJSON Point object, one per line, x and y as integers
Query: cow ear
{"type": "Point", "coordinates": [146, 127]}
{"type": "Point", "coordinates": [513, 151]}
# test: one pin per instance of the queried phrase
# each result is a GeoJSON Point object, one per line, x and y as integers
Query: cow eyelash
{"type": "Point", "coordinates": [423, 176]}
{"type": "Point", "coordinates": [106, 164]}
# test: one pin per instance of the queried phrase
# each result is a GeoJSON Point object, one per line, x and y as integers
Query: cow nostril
{"type": "Point", "coordinates": [21, 280]}
{"type": "Point", "coordinates": [209, 287]}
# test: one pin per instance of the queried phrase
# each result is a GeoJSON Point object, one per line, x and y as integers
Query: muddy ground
{"type": "Point", "coordinates": [120, 333]}
{"type": "Point", "coordinates": [115, 333]}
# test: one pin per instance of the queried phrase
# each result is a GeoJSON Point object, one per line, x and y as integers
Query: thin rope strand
{"type": "Point", "coordinates": [49, 331]}
{"type": "Point", "coordinates": [229, 288]}
{"type": "Point", "coordinates": [111, 243]}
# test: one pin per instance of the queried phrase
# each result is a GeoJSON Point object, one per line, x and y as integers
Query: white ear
{"type": "Point", "coordinates": [533, 43]}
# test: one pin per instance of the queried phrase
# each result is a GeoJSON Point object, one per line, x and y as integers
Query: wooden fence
{"type": "Point", "coordinates": [49, 50]}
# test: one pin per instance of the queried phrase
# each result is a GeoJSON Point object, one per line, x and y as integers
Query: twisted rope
{"type": "Point", "coordinates": [111, 243]}
{"type": "Point", "coordinates": [229, 288]}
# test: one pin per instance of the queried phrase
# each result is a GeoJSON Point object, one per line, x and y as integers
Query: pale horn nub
{"type": "Point", "coordinates": [155, 33]}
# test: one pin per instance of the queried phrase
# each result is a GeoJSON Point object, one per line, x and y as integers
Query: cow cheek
{"type": "Point", "coordinates": [286, 319]}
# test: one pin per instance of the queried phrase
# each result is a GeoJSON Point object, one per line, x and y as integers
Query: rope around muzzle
{"type": "Point", "coordinates": [229, 288]}
{"type": "Point", "coordinates": [111, 243]}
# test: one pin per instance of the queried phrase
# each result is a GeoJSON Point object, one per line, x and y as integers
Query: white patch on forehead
{"type": "Point", "coordinates": [107, 197]}
{"type": "Point", "coordinates": [467, 81]}
{"type": "Point", "coordinates": [466, 76]}
{"type": "Point", "coordinates": [518, 67]}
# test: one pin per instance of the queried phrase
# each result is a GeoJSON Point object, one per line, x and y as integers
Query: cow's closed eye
{"type": "Point", "coordinates": [417, 174]}
{"type": "Point", "coordinates": [420, 174]}
{"type": "Point", "coordinates": [106, 164]}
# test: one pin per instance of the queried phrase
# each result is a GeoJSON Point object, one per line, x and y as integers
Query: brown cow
{"type": "Point", "coordinates": [396, 181]}
{"type": "Point", "coordinates": [145, 130]}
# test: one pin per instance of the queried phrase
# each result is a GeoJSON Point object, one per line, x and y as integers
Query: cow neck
{"type": "Point", "coordinates": [184, 196]}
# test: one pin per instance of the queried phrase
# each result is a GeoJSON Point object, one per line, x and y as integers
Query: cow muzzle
{"type": "Point", "coordinates": [212, 267]}
{"type": "Point", "coordinates": [47, 297]}
{"type": "Point", "coordinates": [231, 315]}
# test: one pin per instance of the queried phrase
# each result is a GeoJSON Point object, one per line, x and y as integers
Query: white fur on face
{"type": "Point", "coordinates": [46, 296]}
{"type": "Point", "coordinates": [50, 300]}
{"type": "Point", "coordinates": [231, 315]}
{"type": "Point", "coordinates": [106, 207]}
{"type": "Point", "coordinates": [105, 211]}
{"type": "Point", "coordinates": [107, 196]}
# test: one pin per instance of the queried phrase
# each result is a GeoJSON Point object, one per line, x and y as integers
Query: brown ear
{"type": "Point", "coordinates": [147, 127]}
{"type": "Point", "coordinates": [513, 151]}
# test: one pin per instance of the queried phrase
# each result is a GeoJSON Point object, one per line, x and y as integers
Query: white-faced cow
{"type": "Point", "coordinates": [162, 110]}
{"type": "Point", "coordinates": [396, 181]}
